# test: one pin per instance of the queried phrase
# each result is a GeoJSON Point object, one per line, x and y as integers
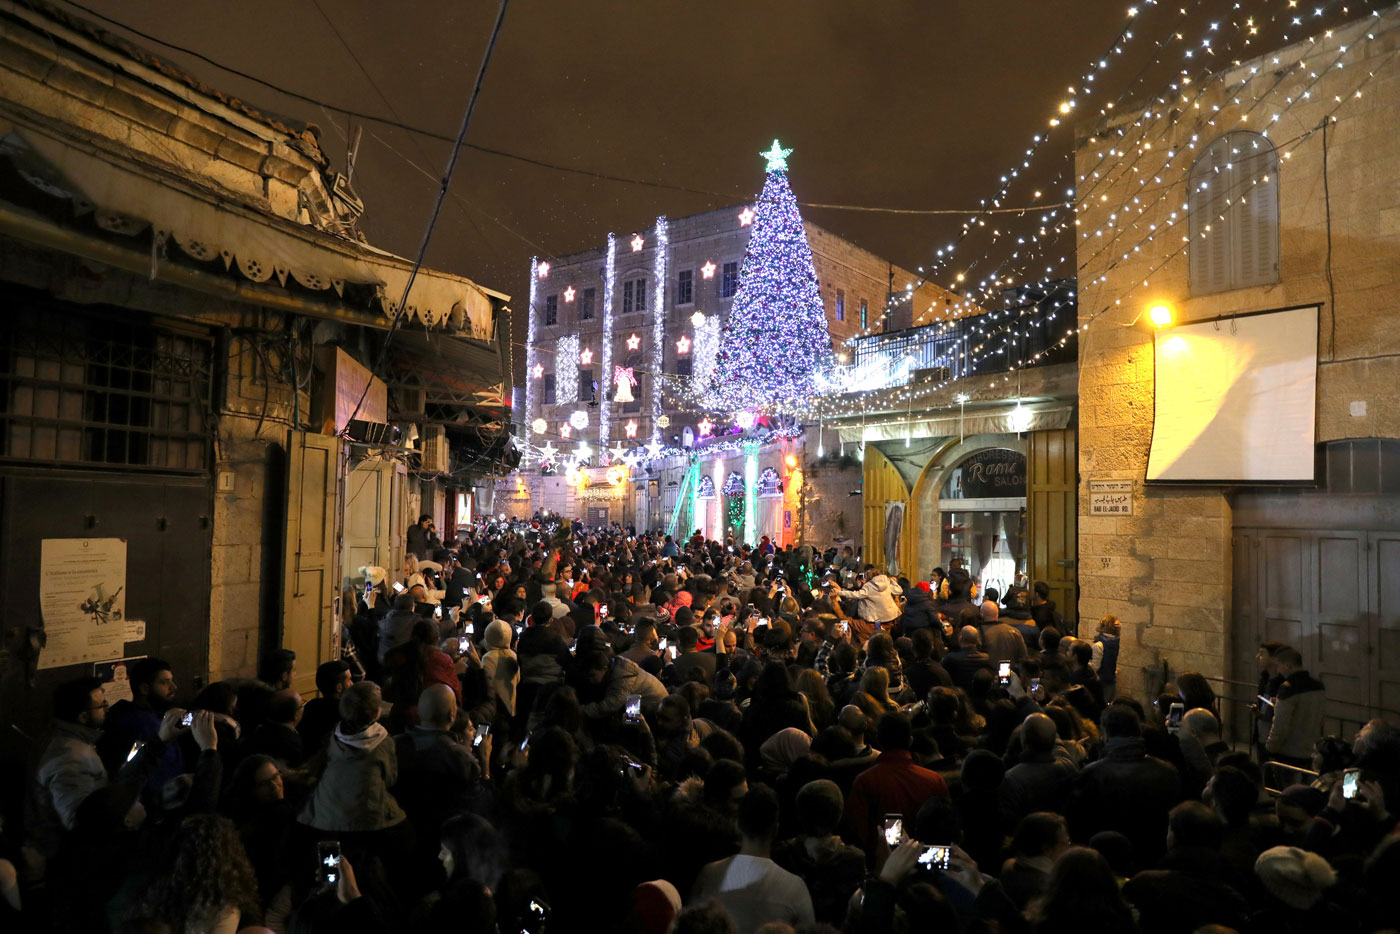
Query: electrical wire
{"type": "Point", "coordinates": [401, 311]}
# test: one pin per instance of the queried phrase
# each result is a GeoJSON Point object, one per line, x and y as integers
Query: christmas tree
{"type": "Point", "coordinates": [776, 340]}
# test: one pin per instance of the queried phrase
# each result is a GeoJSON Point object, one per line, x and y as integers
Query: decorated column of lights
{"type": "Point", "coordinates": [658, 330]}
{"type": "Point", "coordinates": [566, 370]}
{"type": "Point", "coordinates": [750, 493]}
{"type": "Point", "coordinates": [530, 353]}
{"type": "Point", "coordinates": [605, 384]}
{"type": "Point", "coordinates": [717, 530]}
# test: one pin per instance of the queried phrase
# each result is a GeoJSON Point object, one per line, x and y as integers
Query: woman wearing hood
{"type": "Point", "coordinates": [501, 668]}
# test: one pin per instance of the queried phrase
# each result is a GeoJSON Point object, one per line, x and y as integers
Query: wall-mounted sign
{"type": "Point", "coordinates": [1110, 497]}
{"type": "Point", "coordinates": [997, 473]}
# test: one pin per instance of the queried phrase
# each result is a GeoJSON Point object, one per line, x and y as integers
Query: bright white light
{"type": "Point", "coordinates": [579, 419]}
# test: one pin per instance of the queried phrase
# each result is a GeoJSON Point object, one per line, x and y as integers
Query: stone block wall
{"type": "Point", "coordinates": [1166, 570]}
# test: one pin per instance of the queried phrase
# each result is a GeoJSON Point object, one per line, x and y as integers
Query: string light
{"type": "Point", "coordinates": [566, 370]}
{"type": "Point", "coordinates": [530, 353]}
{"type": "Point", "coordinates": [609, 275]}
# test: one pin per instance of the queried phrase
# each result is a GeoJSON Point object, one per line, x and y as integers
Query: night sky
{"type": "Point", "coordinates": [895, 103]}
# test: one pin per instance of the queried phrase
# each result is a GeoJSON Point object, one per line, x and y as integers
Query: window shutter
{"type": "Point", "coordinates": [1210, 254]}
{"type": "Point", "coordinates": [1255, 237]}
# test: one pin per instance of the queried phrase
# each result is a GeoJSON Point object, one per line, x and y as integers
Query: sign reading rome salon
{"type": "Point", "coordinates": [997, 473]}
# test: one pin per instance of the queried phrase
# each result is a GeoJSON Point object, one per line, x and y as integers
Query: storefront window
{"type": "Point", "coordinates": [983, 505]}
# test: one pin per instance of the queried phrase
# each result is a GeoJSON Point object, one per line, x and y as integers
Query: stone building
{"type": "Point", "coordinates": [191, 320]}
{"type": "Point", "coordinates": [1268, 187]}
{"type": "Point", "coordinates": [653, 301]}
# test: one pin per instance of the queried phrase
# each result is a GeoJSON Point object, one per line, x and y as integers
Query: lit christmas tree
{"type": "Point", "coordinates": [776, 339]}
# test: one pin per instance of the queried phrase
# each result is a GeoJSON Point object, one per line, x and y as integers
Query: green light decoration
{"type": "Point", "coordinates": [777, 157]}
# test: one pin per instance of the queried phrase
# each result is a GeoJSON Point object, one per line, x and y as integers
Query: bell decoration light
{"type": "Point", "coordinates": [623, 378]}
{"type": "Point", "coordinates": [663, 422]}
{"type": "Point", "coordinates": [579, 419]}
{"type": "Point", "coordinates": [777, 339]}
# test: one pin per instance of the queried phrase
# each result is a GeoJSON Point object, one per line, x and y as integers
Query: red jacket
{"type": "Point", "coordinates": [442, 671]}
{"type": "Point", "coordinates": [893, 785]}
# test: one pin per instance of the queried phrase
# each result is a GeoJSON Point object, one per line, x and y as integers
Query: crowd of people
{"type": "Point", "coordinates": [541, 726]}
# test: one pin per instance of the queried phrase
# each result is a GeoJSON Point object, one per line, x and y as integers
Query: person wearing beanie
{"type": "Point", "coordinates": [654, 906]}
{"type": "Point", "coordinates": [1295, 885]}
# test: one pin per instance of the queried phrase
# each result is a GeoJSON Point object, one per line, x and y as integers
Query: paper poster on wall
{"type": "Point", "coordinates": [894, 524]}
{"type": "Point", "coordinates": [82, 598]}
{"type": "Point", "coordinates": [116, 678]}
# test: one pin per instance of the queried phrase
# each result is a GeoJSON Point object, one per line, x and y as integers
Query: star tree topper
{"type": "Point", "coordinates": [777, 157]}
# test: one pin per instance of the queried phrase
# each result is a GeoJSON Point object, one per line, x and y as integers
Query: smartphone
{"type": "Point", "coordinates": [398, 586]}
{"type": "Point", "coordinates": [536, 916]}
{"type": "Point", "coordinates": [135, 748]}
{"type": "Point", "coordinates": [1350, 779]}
{"type": "Point", "coordinates": [1035, 685]}
{"type": "Point", "coordinates": [1174, 715]}
{"type": "Point", "coordinates": [603, 610]}
{"type": "Point", "coordinates": [187, 719]}
{"type": "Point", "coordinates": [471, 629]}
{"type": "Point", "coordinates": [438, 612]}
{"type": "Point", "coordinates": [369, 588]}
{"type": "Point", "coordinates": [1004, 673]}
{"type": "Point", "coordinates": [1265, 700]}
{"type": "Point", "coordinates": [633, 767]}
{"type": "Point", "coordinates": [483, 599]}
{"type": "Point", "coordinates": [893, 830]}
{"type": "Point", "coordinates": [661, 644]}
{"type": "Point", "coordinates": [328, 862]}
{"type": "Point", "coordinates": [481, 733]}
{"type": "Point", "coordinates": [632, 712]}
{"type": "Point", "coordinates": [935, 856]}
{"type": "Point", "coordinates": [525, 744]}
{"type": "Point", "coordinates": [842, 626]}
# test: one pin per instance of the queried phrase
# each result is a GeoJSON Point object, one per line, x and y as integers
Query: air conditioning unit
{"type": "Point", "coordinates": [434, 446]}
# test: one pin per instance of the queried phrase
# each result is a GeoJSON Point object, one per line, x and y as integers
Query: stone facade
{"type": "Point", "coordinates": [1166, 570]}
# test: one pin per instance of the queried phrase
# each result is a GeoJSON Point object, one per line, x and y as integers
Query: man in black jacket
{"type": "Point", "coordinates": [919, 612]}
{"type": "Point", "coordinates": [1126, 789]}
{"type": "Point", "coordinates": [963, 663]}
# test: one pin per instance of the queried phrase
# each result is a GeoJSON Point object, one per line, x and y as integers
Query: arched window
{"type": "Point", "coordinates": [706, 489]}
{"type": "Point", "coordinates": [688, 441]}
{"type": "Point", "coordinates": [733, 484]}
{"type": "Point", "coordinates": [769, 483]}
{"type": "Point", "coordinates": [1234, 214]}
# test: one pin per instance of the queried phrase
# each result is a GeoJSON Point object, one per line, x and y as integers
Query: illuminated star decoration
{"type": "Point", "coordinates": [777, 158]}
{"type": "Point", "coordinates": [547, 453]}
{"type": "Point", "coordinates": [584, 450]}
{"type": "Point", "coordinates": [634, 342]}
{"type": "Point", "coordinates": [543, 270]}
{"type": "Point", "coordinates": [707, 271]}
{"type": "Point", "coordinates": [569, 294]}
{"type": "Point", "coordinates": [539, 370]}
{"type": "Point", "coordinates": [630, 428]}
{"type": "Point", "coordinates": [622, 376]}
{"type": "Point", "coordinates": [586, 356]}
{"type": "Point", "coordinates": [654, 450]}
{"type": "Point", "coordinates": [683, 345]}
{"type": "Point", "coordinates": [618, 452]}
{"type": "Point", "coordinates": [746, 215]}
{"type": "Point", "coordinates": [565, 430]}
{"type": "Point", "coordinates": [706, 426]}
{"type": "Point", "coordinates": [637, 243]}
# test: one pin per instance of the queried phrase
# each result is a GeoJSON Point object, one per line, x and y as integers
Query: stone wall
{"type": "Point", "coordinates": [1166, 570]}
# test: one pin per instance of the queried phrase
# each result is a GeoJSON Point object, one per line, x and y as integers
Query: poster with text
{"type": "Point", "coordinates": [82, 596]}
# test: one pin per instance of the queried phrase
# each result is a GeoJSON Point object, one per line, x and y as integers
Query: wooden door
{"type": "Point", "coordinates": [1383, 642]}
{"type": "Point", "coordinates": [1052, 517]}
{"type": "Point", "coordinates": [1335, 652]}
{"type": "Point", "coordinates": [368, 515]}
{"type": "Point", "coordinates": [310, 579]}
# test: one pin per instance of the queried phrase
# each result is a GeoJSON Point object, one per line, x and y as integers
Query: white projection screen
{"type": "Point", "coordinates": [1236, 400]}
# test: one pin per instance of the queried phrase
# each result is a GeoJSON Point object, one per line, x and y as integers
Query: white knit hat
{"type": "Point", "coordinates": [1293, 876]}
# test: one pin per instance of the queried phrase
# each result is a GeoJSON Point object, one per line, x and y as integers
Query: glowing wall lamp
{"type": "Point", "coordinates": [1160, 315]}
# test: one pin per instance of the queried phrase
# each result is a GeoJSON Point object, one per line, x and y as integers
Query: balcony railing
{"type": "Point", "coordinates": [948, 350]}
